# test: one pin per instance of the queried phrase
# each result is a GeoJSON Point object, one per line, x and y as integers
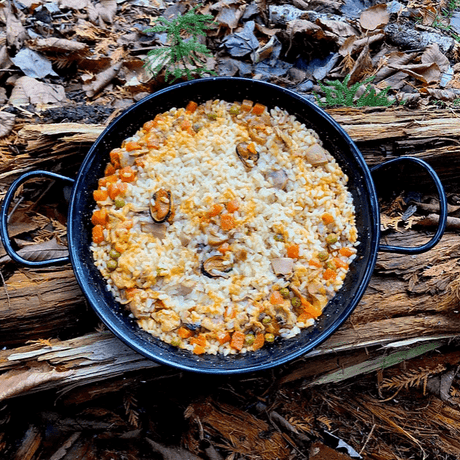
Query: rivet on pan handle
{"type": "Point", "coordinates": [4, 220]}
{"type": "Point", "coordinates": [442, 204]}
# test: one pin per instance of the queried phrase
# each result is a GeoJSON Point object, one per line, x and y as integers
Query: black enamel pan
{"type": "Point", "coordinates": [335, 140]}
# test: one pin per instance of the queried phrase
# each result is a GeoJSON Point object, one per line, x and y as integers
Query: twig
{"type": "Point", "coordinates": [367, 439]}
{"type": "Point", "coordinates": [452, 223]}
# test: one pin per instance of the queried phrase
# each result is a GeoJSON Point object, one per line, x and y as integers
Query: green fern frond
{"type": "Point", "coordinates": [338, 93]}
{"type": "Point", "coordinates": [182, 57]}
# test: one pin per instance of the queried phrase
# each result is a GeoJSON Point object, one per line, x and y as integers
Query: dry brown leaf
{"type": "Point", "coordinates": [307, 27]}
{"type": "Point", "coordinates": [59, 45]}
{"type": "Point", "coordinates": [16, 382]}
{"type": "Point", "coordinates": [395, 58]}
{"type": "Point", "coordinates": [374, 17]}
{"type": "Point", "coordinates": [230, 12]}
{"type": "Point", "coordinates": [102, 80]}
{"type": "Point", "coordinates": [6, 123]}
{"type": "Point", "coordinates": [28, 90]}
{"type": "Point", "coordinates": [441, 94]}
{"type": "Point", "coordinates": [340, 28]}
{"type": "Point", "coordinates": [16, 34]}
{"type": "Point", "coordinates": [41, 251]}
{"type": "Point", "coordinates": [106, 10]}
{"type": "Point", "coordinates": [433, 54]}
{"type": "Point", "coordinates": [423, 72]}
{"type": "Point", "coordinates": [5, 62]}
{"type": "Point", "coordinates": [363, 66]}
{"type": "Point", "coordinates": [74, 4]}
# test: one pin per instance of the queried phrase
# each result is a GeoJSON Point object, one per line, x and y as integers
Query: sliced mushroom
{"type": "Point", "coordinates": [161, 206]}
{"type": "Point", "coordinates": [216, 266]}
{"type": "Point", "coordinates": [157, 230]}
{"type": "Point", "coordinates": [248, 154]}
{"type": "Point", "coordinates": [315, 155]}
{"type": "Point", "coordinates": [282, 265]}
{"type": "Point", "coordinates": [279, 178]}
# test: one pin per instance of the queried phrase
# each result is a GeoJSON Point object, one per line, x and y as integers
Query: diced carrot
{"type": "Point", "coordinates": [233, 205]}
{"type": "Point", "coordinates": [139, 163]}
{"type": "Point", "coordinates": [127, 174]}
{"type": "Point", "coordinates": [148, 125]}
{"type": "Point", "coordinates": [153, 143]}
{"type": "Point", "coordinates": [247, 105]}
{"type": "Point", "coordinates": [100, 195]}
{"type": "Point", "coordinates": [304, 317]}
{"type": "Point", "coordinates": [293, 251]}
{"type": "Point", "coordinates": [329, 274]}
{"type": "Point", "coordinates": [120, 247]}
{"type": "Point", "coordinates": [158, 119]}
{"type": "Point", "coordinates": [346, 252]}
{"type": "Point", "coordinates": [313, 310]}
{"type": "Point", "coordinates": [276, 298]}
{"type": "Point", "coordinates": [98, 234]}
{"type": "Point", "coordinates": [227, 222]}
{"type": "Point", "coordinates": [107, 180]}
{"type": "Point", "coordinates": [186, 125]}
{"type": "Point", "coordinates": [315, 263]}
{"type": "Point", "coordinates": [224, 248]}
{"type": "Point", "coordinates": [223, 337]}
{"type": "Point", "coordinates": [128, 224]}
{"type": "Point", "coordinates": [198, 350]}
{"type": "Point", "coordinates": [339, 263]}
{"type": "Point", "coordinates": [117, 188]}
{"type": "Point", "coordinates": [191, 106]}
{"type": "Point", "coordinates": [216, 209]}
{"type": "Point", "coordinates": [259, 341]}
{"type": "Point", "coordinates": [131, 145]}
{"type": "Point", "coordinates": [252, 148]}
{"type": "Point", "coordinates": [109, 170]}
{"type": "Point", "coordinates": [258, 109]}
{"type": "Point", "coordinates": [199, 340]}
{"type": "Point", "coordinates": [327, 218]}
{"type": "Point", "coordinates": [100, 217]}
{"type": "Point", "coordinates": [230, 313]}
{"type": "Point", "coordinates": [115, 157]}
{"type": "Point", "coordinates": [237, 341]}
{"type": "Point", "coordinates": [184, 333]}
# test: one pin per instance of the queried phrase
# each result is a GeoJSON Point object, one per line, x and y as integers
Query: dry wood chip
{"type": "Point", "coordinates": [374, 17]}
{"type": "Point", "coordinates": [6, 123]}
{"type": "Point", "coordinates": [28, 90]}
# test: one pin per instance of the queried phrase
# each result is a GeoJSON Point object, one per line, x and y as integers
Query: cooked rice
{"type": "Point", "coordinates": [159, 273]}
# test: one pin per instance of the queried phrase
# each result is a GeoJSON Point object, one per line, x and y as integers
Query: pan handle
{"type": "Point", "coordinates": [442, 203]}
{"type": "Point", "coordinates": [4, 220]}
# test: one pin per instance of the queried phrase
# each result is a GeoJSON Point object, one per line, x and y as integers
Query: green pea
{"type": "Point", "coordinates": [331, 239]}
{"type": "Point", "coordinates": [278, 237]}
{"type": "Point", "coordinates": [267, 320]}
{"type": "Point", "coordinates": [112, 265]}
{"type": "Point", "coordinates": [119, 203]}
{"type": "Point", "coordinates": [269, 337]}
{"type": "Point", "coordinates": [284, 293]}
{"type": "Point", "coordinates": [295, 302]}
{"type": "Point", "coordinates": [234, 110]}
{"type": "Point", "coordinates": [176, 342]}
{"type": "Point", "coordinates": [212, 116]}
{"type": "Point", "coordinates": [331, 266]}
{"type": "Point", "coordinates": [323, 256]}
{"type": "Point", "coordinates": [249, 339]}
{"type": "Point", "coordinates": [114, 254]}
{"type": "Point", "coordinates": [197, 127]}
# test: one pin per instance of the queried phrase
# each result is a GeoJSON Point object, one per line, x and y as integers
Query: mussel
{"type": "Point", "coordinates": [248, 154]}
{"type": "Point", "coordinates": [215, 267]}
{"type": "Point", "coordinates": [161, 206]}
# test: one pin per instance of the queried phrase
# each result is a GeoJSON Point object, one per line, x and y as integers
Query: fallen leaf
{"type": "Point", "coordinates": [441, 94]}
{"type": "Point", "coordinates": [340, 28]}
{"type": "Point", "coordinates": [423, 72]}
{"type": "Point", "coordinates": [74, 4]}
{"type": "Point", "coordinates": [41, 251]}
{"type": "Point", "coordinates": [433, 54]}
{"type": "Point", "coordinates": [242, 43]}
{"type": "Point", "coordinates": [5, 61]}
{"type": "Point", "coordinates": [394, 58]}
{"type": "Point", "coordinates": [102, 80]}
{"type": "Point", "coordinates": [374, 17]}
{"type": "Point", "coordinates": [6, 123]}
{"type": "Point", "coordinates": [59, 45]}
{"type": "Point", "coordinates": [363, 66]}
{"type": "Point", "coordinates": [16, 34]}
{"type": "Point", "coordinates": [33, 64]}
{"type": "Point", "coordinates": [229, 12]}
{"type": "Point", "coordinates": [106, 10]}
{"type": "Point", "coordinates": [28, 90]}
{"type": "Point", "coordinates": [352, 45]}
